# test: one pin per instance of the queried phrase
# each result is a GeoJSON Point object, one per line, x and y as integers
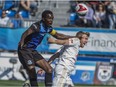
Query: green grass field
{"type": "Point", "coordinates": [15, 83]}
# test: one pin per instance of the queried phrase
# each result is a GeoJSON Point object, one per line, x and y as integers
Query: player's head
{"type": "Point", "coordinates": [83, 36]}
{"type": "Point", "coordinates": [3, 13]}
{"type": "Point", "coordinates": [47, 17]}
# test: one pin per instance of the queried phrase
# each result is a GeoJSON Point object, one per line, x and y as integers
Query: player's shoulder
{"type": "Point", "coordinates": [35, 25]}
{"type": "Point", "coordinates": [75, 39]}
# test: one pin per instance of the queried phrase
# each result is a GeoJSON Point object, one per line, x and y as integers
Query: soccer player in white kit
{"type": "Point", "coordinates": [67, 57]}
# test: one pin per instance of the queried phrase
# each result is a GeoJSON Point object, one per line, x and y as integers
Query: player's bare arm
{"type": "Point", "coordinates": [62, 36]}
{"type": "Point", "coordinates": [53, 57]}
{"type": "Point", "coordinates": [59, 35]}
{"type": "Point", "coordinates": [57, 41]}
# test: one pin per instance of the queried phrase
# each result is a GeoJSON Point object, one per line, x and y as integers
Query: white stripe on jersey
{"type": "Point", "coordinates": [34, 26]}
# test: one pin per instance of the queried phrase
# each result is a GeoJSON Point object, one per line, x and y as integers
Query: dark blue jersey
{"type": "Point", "coordinates": [34, 39]}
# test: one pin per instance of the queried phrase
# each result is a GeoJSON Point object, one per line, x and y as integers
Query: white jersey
{"type": "Point", "coordinates": [65, 65]}
{"type": "Point", "coordinates": [68, 53]}
{"type": "Point", "coordinates": [4, 21]}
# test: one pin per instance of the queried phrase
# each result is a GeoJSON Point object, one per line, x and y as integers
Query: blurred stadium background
{"type": "Point", "coordinates": [96, 63]}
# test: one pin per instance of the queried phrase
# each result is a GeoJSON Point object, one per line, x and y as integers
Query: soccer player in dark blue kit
{"type": "Point", "coordinates": [30, 39]}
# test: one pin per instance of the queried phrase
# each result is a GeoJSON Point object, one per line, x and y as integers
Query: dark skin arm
{"type": "Point", "coordinates": [53, 57]}
{"type": "Point", "coordinates": [62, 36]}
{"type": "Point", "coordinates": [57, 41]}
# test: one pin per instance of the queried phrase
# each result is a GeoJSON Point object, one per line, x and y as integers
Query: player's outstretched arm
{"type": "Point", "coordinates": [62, 36]}
{"type": "Point", "coordinates": [57, 41]}
{"type": "Point", "coordinates": [57, 35]}
{"type": "Point", "coordinates": [70, 41]}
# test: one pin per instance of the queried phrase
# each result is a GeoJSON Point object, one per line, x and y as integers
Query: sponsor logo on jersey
{"type": "Point", "coordinates": [29, 62]}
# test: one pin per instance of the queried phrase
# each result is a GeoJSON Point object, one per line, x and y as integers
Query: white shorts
{"type": "Point", "coordinates": [61, 77]}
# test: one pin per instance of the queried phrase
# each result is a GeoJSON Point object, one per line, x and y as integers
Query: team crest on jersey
{"type": "Point", "coordinates": [104, 72]}
{"type": "Point", "coordinates": [42, 34]}
{"type": "Point", "coordinates": [85, 76]}
{"type": "Point", "coordinates": [29, 62]}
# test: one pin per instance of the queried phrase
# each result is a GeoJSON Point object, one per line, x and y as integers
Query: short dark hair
{"type": "Point", "coordinates": [44, 13]}
{"type": "Point", "coordinates": [80, 33]}
{"type": "Point", "coordinates": [4, 11]}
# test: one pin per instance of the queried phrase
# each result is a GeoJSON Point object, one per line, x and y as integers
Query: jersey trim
{"type": "Point", "coordinates": [53, 32]}
{"type": "Point", "coordinates": [35, 26]}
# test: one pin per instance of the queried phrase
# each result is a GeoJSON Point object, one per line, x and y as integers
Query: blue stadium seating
{"type": "Point", "coordinates": [8, 4]}
{"type": "Point", "coordinates": [24, 13]}
{"type": "Point", "coordinates": [11, 13]}
{"type": "Point", "coordinates": [73, 17]}
{"type": "Point", "coordinates": [0, 12]}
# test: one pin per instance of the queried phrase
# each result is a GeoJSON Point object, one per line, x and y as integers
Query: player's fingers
{"type": "Point", "coordinates": [41, 72]}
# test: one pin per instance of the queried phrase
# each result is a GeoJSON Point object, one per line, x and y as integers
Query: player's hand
{"type": "Point", "coordinates": [41, 72]}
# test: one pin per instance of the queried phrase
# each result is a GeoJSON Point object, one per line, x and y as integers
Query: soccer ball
{"type": "Point", "coordinates": [81, 9]}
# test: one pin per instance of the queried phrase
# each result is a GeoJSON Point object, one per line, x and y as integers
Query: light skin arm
{"type": "Point", "coordinates": [19, 16]}
{"type": "Point", "coordinates": [27, 7]}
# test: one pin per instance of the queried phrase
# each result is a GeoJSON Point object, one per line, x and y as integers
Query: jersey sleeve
{"type": "Point", "coordinates": [74, 41]}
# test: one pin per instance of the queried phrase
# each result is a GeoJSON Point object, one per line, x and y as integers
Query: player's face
{"type": "Point", "coordinates": [49, 19]}
{"type": "Point", "coordinates": [3, 14]}
{"type": "Point", "coordinates": [83, 40]}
